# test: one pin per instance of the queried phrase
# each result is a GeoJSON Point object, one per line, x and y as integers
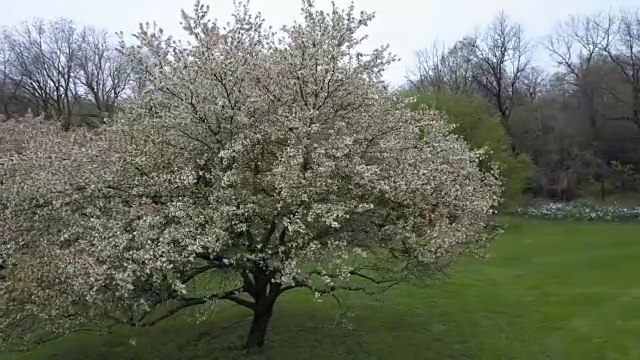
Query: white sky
{"type": "Point", "coordinates": [407, 25]}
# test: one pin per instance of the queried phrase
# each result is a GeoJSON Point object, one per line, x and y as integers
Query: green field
{"type": "Point", "coordinates": [550, 290]}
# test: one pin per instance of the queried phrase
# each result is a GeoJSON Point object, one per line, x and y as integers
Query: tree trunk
{"type": "Point", "coordinates": [258, 331]}
{"type": "Point", "coordinates": [66, 123]}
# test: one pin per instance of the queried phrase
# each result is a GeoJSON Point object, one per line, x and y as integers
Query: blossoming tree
{"type": "Point", "coordinates": [254, 162]}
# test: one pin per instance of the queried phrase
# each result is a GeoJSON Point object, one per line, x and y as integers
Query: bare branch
{"type": "Point", "coordinates": [503, 55]}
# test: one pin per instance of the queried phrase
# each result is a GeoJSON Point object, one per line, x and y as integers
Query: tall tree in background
{"type": "Point", "coordinates": [101, 70]}
{"type": "Point", "coordinates": [576, 47]}
{"type": "Point", "coordinates": [494, 64]}
{"type": "Point", "coordinates": [531, 85]}
{"type": "Point", "coordinates": [44, 54]}
{"type": "Point", "coordinates": [64, 72]}
{"type": "Point", "coordinates": [443, 69]}
{"type": "Point", "coordinates": [622, 46]}
{"type": "Point", "coordinates": [503, 55]}
{"type": "Point", "coordinates": [10, 82]}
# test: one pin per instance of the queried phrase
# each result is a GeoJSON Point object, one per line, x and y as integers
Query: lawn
{"type": "Point", "coordinates": [550, 290]}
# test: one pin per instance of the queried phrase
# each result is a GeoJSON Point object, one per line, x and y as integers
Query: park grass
{"type": "Point", "coordinates": [550, 290]}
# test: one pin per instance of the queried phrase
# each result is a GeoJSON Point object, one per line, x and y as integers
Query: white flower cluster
{"type": "Point", "coordinates": [580, 212]}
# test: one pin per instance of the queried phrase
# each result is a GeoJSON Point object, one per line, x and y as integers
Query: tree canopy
{"type": "Point", "coordinates": [271, 162]}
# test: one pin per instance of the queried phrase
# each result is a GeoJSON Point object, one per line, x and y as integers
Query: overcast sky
{"type": "Point", "coordinates": [406, 25]}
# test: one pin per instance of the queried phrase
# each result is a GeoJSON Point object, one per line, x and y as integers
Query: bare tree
{"type": "Point", "coordinates": [502, 55]}
{"type": "Point", "coordinates": [622, 46]}
{"type": "Point", "coordinates": [532, 84]}
{"type": "Point", "coordinates": [576, 47]}
{"type": "Point", "coordinates": [45, 53]}
{"type": "Point", "coordinates": [9, 83]}
{"type": "Point", "coordinates": [102, 70]}
{"type": "Point", "coordinates": [20, 46]}
{"type": "Point", "coordinates": [428, 72]}
{"type": "Point", "coordinates": [443, 69]}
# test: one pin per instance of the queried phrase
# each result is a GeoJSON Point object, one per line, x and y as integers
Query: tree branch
{"type": "Point", "coordinates": [389, 283]}
{"type": "Point", "coordinates": [187, 303]}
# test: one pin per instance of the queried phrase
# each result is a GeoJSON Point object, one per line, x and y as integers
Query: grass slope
{"type": "Point", "coordinates": [550, 290]}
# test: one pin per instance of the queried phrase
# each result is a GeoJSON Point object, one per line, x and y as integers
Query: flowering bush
{"type": "Point", "coordinates": [580, 212]}
{"type": "Point", "coordinates": [267, 163]}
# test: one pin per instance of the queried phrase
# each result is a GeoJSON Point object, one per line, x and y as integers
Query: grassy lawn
{"type": "Point", "coordinates": [550, 290]}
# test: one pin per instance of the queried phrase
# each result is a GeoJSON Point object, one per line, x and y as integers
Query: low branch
{"type": "Point", "coordinates": [238, 300]}
{"type": "Point", "coordinates": [90, 331]}
{"type": "Point", "coordinates": [231, 295]}
{"type": "Point", "coordinates": [187, 303]}
{"type": "Point", "coordinates": [195, 272]}
{"type": "Point", "coordinates": [388, 284]}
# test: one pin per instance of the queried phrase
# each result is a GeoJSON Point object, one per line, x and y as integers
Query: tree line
{"type": "Point", "coordinates": [62, 71]}
{"type": "Point", "coordinates": [579, 124]}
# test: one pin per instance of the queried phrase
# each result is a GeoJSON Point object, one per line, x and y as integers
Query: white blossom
{"type": "Point", "coordinates": [277, 157]}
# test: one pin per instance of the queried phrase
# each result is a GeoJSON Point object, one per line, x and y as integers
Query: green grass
{"type": "Point", "coordinates": [550, 290]}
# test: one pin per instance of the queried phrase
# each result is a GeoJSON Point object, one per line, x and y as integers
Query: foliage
{"type": "Point", "coordinates": [269, 163]}
{"type": "Point", "coordinates": [474, 123]}
{"type": "Point", "coordinates": [562, 284]}
{"type": "Point", "coordinates": [573, 122]}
